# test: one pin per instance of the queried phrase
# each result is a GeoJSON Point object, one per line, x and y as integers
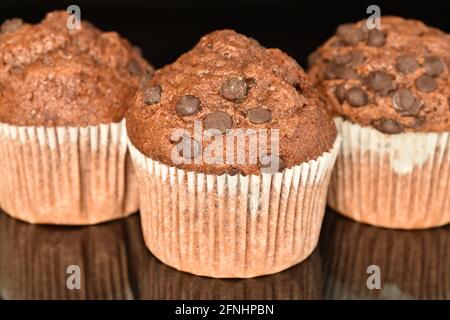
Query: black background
{"type": "Point", "coordinates": [164, 29]}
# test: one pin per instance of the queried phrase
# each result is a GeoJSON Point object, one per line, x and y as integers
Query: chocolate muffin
{"type": "Point", "coordinates": [208, 206]}
{"type": "Point", "coordinates": [389, 91]}
{"type": "Point", "coordinates": [63, 97]}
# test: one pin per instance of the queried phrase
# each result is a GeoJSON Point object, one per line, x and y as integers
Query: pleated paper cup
{"type": "Point", "coordinates": [66, 175]}
{"type": "Point", "coordinates": [395, 181]}
{"type": "Point", "coordinates": [232, 226]}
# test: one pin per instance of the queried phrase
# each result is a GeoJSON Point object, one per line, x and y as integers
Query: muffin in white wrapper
{"type": "Point", "coordinates": [64, 94]}
{"type": "Point", "coordinates": [397, 181]}
{"type": "Point", "coordinates": [66, 175]}
{"type": "Point", "coordinates": [233, 150]}
{"type": "Point", "coordinates": [232, 226]}
{"type": "Point", "coordinates": [389, 91]}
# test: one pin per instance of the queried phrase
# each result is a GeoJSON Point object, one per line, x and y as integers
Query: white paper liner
{"type": "Point", "coordinates": [396, 181]}
{"type": "Point", "coordinates": [232, 226]}
{"type": "Point", "coordinates": [66, 175]}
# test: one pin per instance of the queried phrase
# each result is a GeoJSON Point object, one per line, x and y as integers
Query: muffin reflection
{"type": "Point", "coordinates": [154, 280]}
{"type": "Point", "coordinates": [413, 264]}
{"type": "Point", "coordinates": [34, 260]}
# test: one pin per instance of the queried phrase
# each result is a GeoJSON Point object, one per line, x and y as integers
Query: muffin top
{"type": "Point", "coordinates": [395, 79]}
{"type": "Point", "coordinates": [229, 82]}
{"type": "Point", "coordinates": [53, 76]}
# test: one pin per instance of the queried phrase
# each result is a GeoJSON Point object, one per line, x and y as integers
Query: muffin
{"type": "Point", "coordinates": [34, 260]}
{"type": "Point", "coordinates": [413, 264]}
{"type": "Point", "coordinates": [63, 97]}
{"type": "Point", "coordinates": [389, 91]}
{"type": "Point", "coordinates": [217, 203]}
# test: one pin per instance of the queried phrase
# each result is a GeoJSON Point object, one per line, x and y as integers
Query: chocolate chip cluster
{"type": "Point", "coordinates": [233, 89]}
{"type": "Point", "coordinates": [368, 68]}
{"type": "Point", "coordinates": [230, 87]}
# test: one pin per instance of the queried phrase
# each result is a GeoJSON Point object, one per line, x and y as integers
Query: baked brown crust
{"type": "Point", "coordinates": [229, 75]}
{"type": "Point", "coordinates": [402, 69]}
{"type": "Point", "coordinates": [53, 76]}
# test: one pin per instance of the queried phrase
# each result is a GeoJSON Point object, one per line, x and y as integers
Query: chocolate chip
{"type": "Point", "coordinates": [356, 97]}
{"type": "Point", "coordinates": [134, 68]}
{"type": "Point", "coordinates": [189, 148]}
{"type": "Point", "coordinates": [349, 60]}
{"type": "Point", "coordinates": [152, 94]}
{"type": "Point", "coordinates": [407, 64]}
{"type": "Point", "coordinates": [233, 171]}
{"type": "Point", "coordinates": [357, 58]}
{"type": "Point", "coordinates": [259, 115]}
{"type": "Point", "coordinates": [376, 38]}
{"type": "Point", "coordinates": [403, 99]}
{"type": "Point", "coordinates": [380, 81]}
{"type": "Point", "coordinates": [339, 92]}
{"type": "Point", "coordinates": [330, 72]}
{"type": "Point", "coordinates": [418, 122]}
{"type": "Point", "coordinates": [271, 164]}
{"type": "Point", "coordinates": [333, 71]}
{"type": "Point", "coordinates": [234, 89]}
{"type": "Point", "coordinates": [349, 34]}
{"type": "Point", "coordinates": [426, 83]}
{"type": "Point", "coordinates": [342, 60]}
{"type": "Point", "coordinates": [218, 120]}
{"type": "Point", "coordinates": [11, 25]}
{"type": "Point", "coordinates": [187, 105]}
{"type": "Point", "coordinates": [434, 66]}
{"type": "Point", "coordinates": [389, 126]}
{"type": "Point", "coordinates": [313, 58]}
{"type": "Point", "coordinates": [448, 101]}
{"type": "Point", "coordinates": [405, 103]}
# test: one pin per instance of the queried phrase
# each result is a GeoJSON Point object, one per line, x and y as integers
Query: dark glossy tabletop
{"type": "Point", "coordinates": [115, 264]}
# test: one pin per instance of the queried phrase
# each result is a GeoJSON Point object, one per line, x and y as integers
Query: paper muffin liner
{"type": "Point", "coordinates": [34, 260]}
{"type": "Point", "coordinates": [395, 181]}
{"type": "Point", "coordinates": [232, 226]}
{"type": "Point", "coordinates": [157, 281]}
{"type": "Point", "coordinates": [66, 175]}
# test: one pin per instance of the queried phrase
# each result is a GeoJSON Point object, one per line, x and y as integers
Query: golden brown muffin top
{"type": "Point", "coordinates": [53, 76]}
{"type": "Point", "coordinates": [228, 81]}
{"type": "Point", "coordinates": [395, 79]}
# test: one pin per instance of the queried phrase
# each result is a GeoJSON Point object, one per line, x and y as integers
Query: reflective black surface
{"type": "Point", "coordinates": [113, 259]}
{"type": "Point", "coordinates": [115, 264]}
